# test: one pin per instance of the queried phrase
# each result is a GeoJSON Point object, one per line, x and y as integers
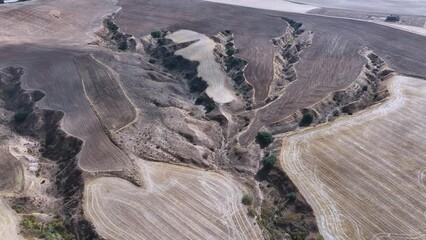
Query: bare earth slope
{"type": "Point", "coordinates": [177, 203]}
{"type": "Point", "coordinates": [365, 176]}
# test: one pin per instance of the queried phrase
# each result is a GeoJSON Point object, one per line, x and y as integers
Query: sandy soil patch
{"type": "Point", "coordinates": [209, 70]}
{"type": "Point", "coordinates": [277, 5]}
{"type": "Point", "coordinates": [364, 176]}
{"type": "Point", "coordinates": [176, 203]}
{"type": "Point", "coordinates": [9, 222]}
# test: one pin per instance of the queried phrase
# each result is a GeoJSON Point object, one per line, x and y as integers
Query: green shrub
{"type": "Point", "coordinates": [20, 117]}
{"type": "Point", "coordinates": [29, 222]}
{"type": "Point", "coordinates": [264, 139]}
{"type": "Point", "coordinates": [292, 197]}
{"type": "Point", "coordinates": [156, 34]}
{"type": "Point", "coordinates": [230, 52]}
{"type": "Point", "coordinates": [269, 161]}
{"type": "Point", "coordinates": [307, 119]}
{"type": "Point", "coordinates": [197, 85]}
{"type": "Point", "coordinates": [319, 237]}
{"type": "Point", "coordinates": [247, 199]}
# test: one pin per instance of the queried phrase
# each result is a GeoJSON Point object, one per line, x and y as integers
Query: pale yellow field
{"type": "Point", "coordinates": [9, 222]}
{"type": "Point", "coordinates": [209, 70]}
{"type": "Point", "coordinates": [365, 175]}
{"type": "Point", "coordinates": [176, 203]}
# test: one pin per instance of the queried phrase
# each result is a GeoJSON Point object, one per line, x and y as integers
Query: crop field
{"type": "Point", "coordinates": [412, 7]}
{"type": "Point", "coordinates": [365, 176]}
{"type": "Point", "coordinates": [330, 64]}
{"type": "Point", "coordinates": [175, 203]}
{"type": "Point", "coordinates": [70, 21]}
{"type": "Point", "coordinates": [105, 94]}
{"type": "Point", "coordinates": [209, 70]}
{"type": "Point", "coordinates": [54, 71]}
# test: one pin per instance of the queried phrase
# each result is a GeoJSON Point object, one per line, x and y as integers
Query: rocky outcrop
{"type": "Point", "coordinates": [367, 89]}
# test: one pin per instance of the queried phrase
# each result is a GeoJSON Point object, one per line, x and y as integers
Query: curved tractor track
{"type": "Point", "coordinates": [365, 176]}
{"type": "Point", "coordinates": [176, 203]}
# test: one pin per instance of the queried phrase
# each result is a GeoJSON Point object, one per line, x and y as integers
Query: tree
{"type": "Point", "coordinates": [269, 161]}
{"type": "Point", "coordinates": [264, 139]}
{"type": "Point", "coordinates": [307, 119]}
{"type": "Point", "coordinates": [156, 34]}
{"type": "Point", "coordinates": [20, 117]}
{"type": "Point", "coordinates": [247, 199]}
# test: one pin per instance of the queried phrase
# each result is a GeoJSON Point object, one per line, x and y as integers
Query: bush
{"type": "Point", "coordinates": [29, 222]}
{"type": "Point", "coordinates": [20, 117]}
{"type": "Point", "coordinates": [292, 197]}
{"type": "Point", "coordinates": [52, 230]}
{"type": "Point", "coordinates": [307, 119]}
{"type": "Point", "coordinates": [269, 161]}
{"type": "Point", "coordinates": [230, 52]}
{"type": "Point", "coordinates": [247, 199]}
{"type": "Point", "coordinates": [197, 85]}
{"type": "Point", "coordinates": [264, 139]}
{"type": "Point", "coordinates": [156, 34]}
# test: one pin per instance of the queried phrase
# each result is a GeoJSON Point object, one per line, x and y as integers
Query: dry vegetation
{"type": "Point", "coordinates": [365, 175]}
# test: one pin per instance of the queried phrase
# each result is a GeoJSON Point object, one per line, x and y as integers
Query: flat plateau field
{"type": "Point", "coordinates": [365, 176]}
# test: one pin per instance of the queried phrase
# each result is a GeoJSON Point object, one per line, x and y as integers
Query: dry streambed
{"type": "Point", "coordinates": [209, 69]}
{"type": "Point", "coordinates": [364, 176]}
{"type": "Point", "coordinates": [176, 203]}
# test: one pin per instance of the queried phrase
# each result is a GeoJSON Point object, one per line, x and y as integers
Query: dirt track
{"type": "Point", "coordinates": [364, 176]}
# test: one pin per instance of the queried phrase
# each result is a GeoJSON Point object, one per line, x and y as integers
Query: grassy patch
{"type": "Point", "coordinates": [55, 229]}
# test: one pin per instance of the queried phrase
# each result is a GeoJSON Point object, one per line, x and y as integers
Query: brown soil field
{"type": "Point", "coordinates": [364, 176]}
{"type": "Point", "coordinates": [330, 64]}
{"type": "Point", "coordinates": [105, 93]}
{"type": "Point", "coordinates": [54, 72]}
{"type": "Point", "coordinates": [176, 203]}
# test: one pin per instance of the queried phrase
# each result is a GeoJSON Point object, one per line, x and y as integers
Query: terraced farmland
{"type": "Point", "coordinates": [175, 203]}
{"type": "Point", "coordinates": [364, 176]}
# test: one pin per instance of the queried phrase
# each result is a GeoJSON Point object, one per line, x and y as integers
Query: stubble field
{"type": "Point", "coordinates": [364, 176]}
